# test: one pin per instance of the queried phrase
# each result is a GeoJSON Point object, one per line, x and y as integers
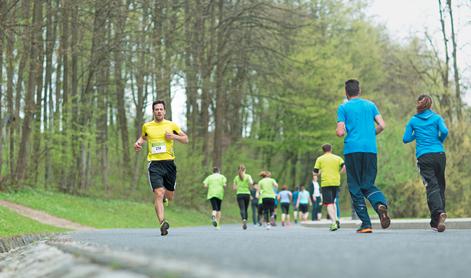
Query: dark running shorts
{"type": "Point", "coordinates": [215, 203]}
{"type": "Point", "coordinates": [329, 193]}
{"type": "Point", "coordinates": [162, 173]}
{"type": "Point", "coordinates": [303, 208]}
{"type": "Point", "coordinates": [285, 208]}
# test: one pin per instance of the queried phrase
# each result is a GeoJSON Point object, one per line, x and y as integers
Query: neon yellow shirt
{"type": "Point", "coordinates": [329, 166]}
{"type": "Point", "coordinates": [266, 188]}
{"type": "Point", "coordinates": [159, 148]}
{"type": "Point", "coordinates": [243, 186]}
{"type": "Point", "coordinates": [215, 183]}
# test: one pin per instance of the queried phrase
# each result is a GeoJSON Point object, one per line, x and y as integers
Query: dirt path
{"type": "Point", "coordinates": [43, 217]}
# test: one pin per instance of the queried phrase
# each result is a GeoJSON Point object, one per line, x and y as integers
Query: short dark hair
{"type": "Point", "coordinates": [327, 147]}
{"type": "Point", "coordinates": [159, 101]}
{"type": "Point", "coordinates": [352, 87]}
{"type": "Point", "coordinates": [215, 170]}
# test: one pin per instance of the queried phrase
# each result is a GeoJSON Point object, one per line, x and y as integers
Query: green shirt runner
{"type": "Point", "coordinates": [215, 184]}
{"type": "Point", "coordinates": [243, 186]}
{"type": "Point", "coordinates": [266, 188]}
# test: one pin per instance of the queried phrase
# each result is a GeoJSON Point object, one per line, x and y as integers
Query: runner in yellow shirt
{"type": "Point", "coordinates": [329, 166]}
{"type": "Point", "coordinates": [160, 134]}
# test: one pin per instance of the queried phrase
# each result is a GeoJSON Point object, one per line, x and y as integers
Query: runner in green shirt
{"type": "Point", "coordinates": [215, 184]}
{"type": "Point", "coordinates": [266, 187]}
{"type": "Point", "coordinates": [242, 183]}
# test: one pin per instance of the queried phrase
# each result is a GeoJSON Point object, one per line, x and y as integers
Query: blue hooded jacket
{"type": "Point", "coordinates": [429, 131]}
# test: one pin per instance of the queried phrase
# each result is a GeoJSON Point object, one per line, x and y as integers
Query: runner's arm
{"type": "Point", "coordinates": [138, 145]}
{"type": "Point", "coordinates": [343, 169]}
{"type": "Point", "coordinates": [340, 131]}
{"type": "Point", "coordinates": [380, 124]}
{"type": "Point", "coordinates": [180, 137]}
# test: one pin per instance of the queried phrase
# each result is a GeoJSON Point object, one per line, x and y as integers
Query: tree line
{"type": "Point", "coordinates": [262, 81]}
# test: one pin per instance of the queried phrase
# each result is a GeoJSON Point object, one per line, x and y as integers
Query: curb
{"type": "Point", "coordinates": [396, 224]}
{"type": "Point", "coordinates": [7, 244]}
{"type": "Point", "coordinates": [155, 266]}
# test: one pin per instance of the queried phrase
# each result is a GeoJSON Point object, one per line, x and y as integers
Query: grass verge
{"type": "Point", "coordinates": [13, 224]}
{"type": "Point", "coordinates": [105, 214]}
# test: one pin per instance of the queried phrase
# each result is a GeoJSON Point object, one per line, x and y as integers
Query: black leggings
{"type": "Point", "coordinates": [432, 169]}
{"type": "Point", "coordinates": [243, 201]}
{"type": "Point", "coordinates": [216, 203]}
{"type": "Point", "coordinates": [268, 208]}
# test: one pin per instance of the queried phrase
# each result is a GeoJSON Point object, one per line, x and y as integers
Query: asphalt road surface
{"type": "Point", "coordinates": [298, 251]}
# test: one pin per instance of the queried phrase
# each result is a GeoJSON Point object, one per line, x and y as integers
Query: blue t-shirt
{"type": "Point", "coordinates": [359, 117]}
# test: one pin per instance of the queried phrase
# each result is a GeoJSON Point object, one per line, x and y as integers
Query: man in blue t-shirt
{"type": "Point", "coordinates": [361, 120]}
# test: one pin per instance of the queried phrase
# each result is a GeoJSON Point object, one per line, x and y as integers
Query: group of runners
{"type": "Point", "coordinates": [359, 121]}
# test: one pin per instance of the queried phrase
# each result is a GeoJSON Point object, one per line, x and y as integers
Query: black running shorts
{"type": "Point", "coordinates": [303, 207]}
{"type": "Point", "coordinates": [329, 193]}
{"type": "Point", "coordinates": [215, 203]}
{"type": "Point", "coordinates": [162, 173]}
{"type": "Point", "coordinates": [285, 208]}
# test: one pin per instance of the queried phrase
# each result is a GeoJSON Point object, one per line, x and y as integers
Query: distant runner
{"type": "Point", "coordinates": [242, 183]}
{"type": "Point", "coordinates": [360, 119]}
{"type": "Point", "coordinates": [215, 183]}
{"type": "Point", "coordinates": [303, 203]}
{"type": "Point", "coordinates": [295, 202]}
{"type": "Point", "coordinates": [316, 200]}
{"type": "Point", "coordinates": [429, 132]}
{"type": "Point", "coordinates": [267, 194]}
{"type": "Point", "coordinates": [329, 166]}
{"type": "Point", "coordinates": [160, 135]}
{"type": "Point", "coordinates": [285, 197]}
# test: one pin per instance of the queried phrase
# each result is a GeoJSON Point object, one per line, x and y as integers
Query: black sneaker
{"type": "Point", "coordinates": [164, 226]}
{"type": "Point", "coordinates": [244, 224]}
{"type": "Point", "coordinates": [213, 221]}
{"type": "Point", "coordinates": [441, 222]}
{"type": "Point", "coordinates": [383, 216]}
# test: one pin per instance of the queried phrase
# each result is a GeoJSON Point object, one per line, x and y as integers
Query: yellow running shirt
{"type": "Point", "coordinates": [159, 148]}
{"type": "Point", "coordinates": [329, 166]}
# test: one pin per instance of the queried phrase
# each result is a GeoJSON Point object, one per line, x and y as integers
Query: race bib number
{"type": "Point", "coordinates": [158, 147]}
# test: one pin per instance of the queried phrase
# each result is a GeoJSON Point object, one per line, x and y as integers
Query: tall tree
{"type": "Point", "coordinates": [30, 106]}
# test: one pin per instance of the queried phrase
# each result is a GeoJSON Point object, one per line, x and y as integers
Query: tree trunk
{"type": "Point", "coordinates": [48, 101]}
{"type": "Point", "coordinates": [29, 100]}
{"type": "Point", "coordinates": [11, 122]}
{"type": "Point", "coordinates": [455, 63]}
{"type": "Point", "coordinates": [220, 90]}
{"type": "Point", "coordinates": [118, 58]}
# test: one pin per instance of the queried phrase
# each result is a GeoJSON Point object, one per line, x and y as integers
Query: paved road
{"type": "Point", "coordinates": [300, 252]}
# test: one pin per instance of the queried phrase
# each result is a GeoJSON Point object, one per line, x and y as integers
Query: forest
{"type": "Point", "coordinates": [261, 79]}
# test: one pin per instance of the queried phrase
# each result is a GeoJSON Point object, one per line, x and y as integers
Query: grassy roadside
{"type": "Point", "coordinates": [12, 224]}
{"type": "Point", "coordinates": [98, 213]}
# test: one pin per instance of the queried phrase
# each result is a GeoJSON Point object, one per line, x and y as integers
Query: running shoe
{"type": "Point", "coordinates": [268, 227]}
{"type": "Point", "coordinates": [383, 216]}
{"type": "Point", "coordinates": [366, 230]}
{"type": "Point", "coordinates": [338, 224]}
{"type": "Point", "coordinates": [441, 222]}
{"type": "Point", "coordinates": [334, 227]}
{"type": "Point", "coordinates": [213, 221]}
{"type": "Point", "coordinates": [218, 225]}
{"type": "Point", "coordinates": [244, 224]}
{"type": "Point", "coordinates": [282, 224]}
{"type": "Point", "coordinates": [164, 226]}
{"type": "Point", "coordinates": [165, 202]}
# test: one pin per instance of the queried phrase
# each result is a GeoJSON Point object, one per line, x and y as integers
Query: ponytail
{"type": "Point", "coordinates": [241, 172]}
{"type": "Point", "coordinates": [424, 102]}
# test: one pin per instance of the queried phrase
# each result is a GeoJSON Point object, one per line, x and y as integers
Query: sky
{"type": "Point", "coordinates": [403, 19]}
{"type": "Point", "coordinates": [406, 18]}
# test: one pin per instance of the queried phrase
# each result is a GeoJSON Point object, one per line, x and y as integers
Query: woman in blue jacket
{"type": "Point", "coordinates": [429, 132]}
